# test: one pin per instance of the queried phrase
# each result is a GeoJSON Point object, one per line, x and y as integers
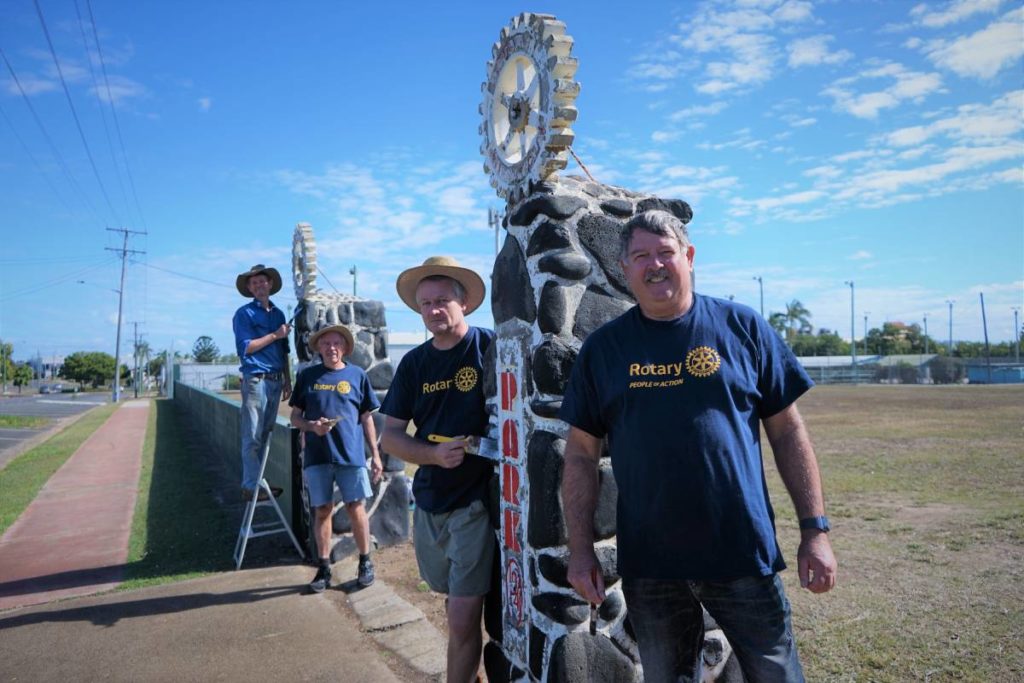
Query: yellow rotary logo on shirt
{"type": "Point", "coordinates": [703, 361]}
{"type": "Point", "coordinates": [344, 387]}
{"type": "Point", "coordinates": [465, 379]}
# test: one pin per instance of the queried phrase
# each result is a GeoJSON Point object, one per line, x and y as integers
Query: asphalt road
{"type": "Point", "coordinates": [55, 407]}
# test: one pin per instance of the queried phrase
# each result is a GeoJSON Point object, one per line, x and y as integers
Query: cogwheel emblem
{"type": "Point", "coordinates": [703, 361]}
{"type": "Point", "coordinates": [304, 261]}
{"type": "Point", "coordinates": [465, 379]}
{"type": "Point", "coordinates": [528, 104]}
{"type": "Point", "coordinates": [344, 387]}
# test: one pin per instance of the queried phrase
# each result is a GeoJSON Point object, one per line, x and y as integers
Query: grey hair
{"type": "Point", "coordinates": [457, 289]}
{"type": "Point", "coordinates": [656, 222]}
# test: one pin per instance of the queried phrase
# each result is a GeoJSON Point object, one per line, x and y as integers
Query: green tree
{"type": "Point", "coordinates": [22, 375]}
{"type": "Point", "coordinates": [205, 350]}
{"type": "Point", "coordinates": [778, 322]}
{"type": "Point", "coordinates": [6, 366]}
{"type": "Point", "coordinates": [89, 367]}
{"type": "Point", "coordinates": [798, 320]}
{"type": "Point", "coordinates": [156, 365]}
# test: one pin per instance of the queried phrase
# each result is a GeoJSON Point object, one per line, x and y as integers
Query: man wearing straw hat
{"type": "Point", "coordinates": [333, 402]}
{"type": "Point", "coordinates": [261, 342]}
{"type": "Point", "coordinates": [438, 387]}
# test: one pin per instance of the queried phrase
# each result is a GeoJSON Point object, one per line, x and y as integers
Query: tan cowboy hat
{"type": "Point", "coordinates": [340, 329]}
{"type": "Point", "coordinates": [441, 265]}
{"type": "Point", "coordinates": [242, 281]}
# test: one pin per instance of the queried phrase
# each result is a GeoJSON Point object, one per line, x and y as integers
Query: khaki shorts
{"type": "Point", "coordinates": [454, 550]}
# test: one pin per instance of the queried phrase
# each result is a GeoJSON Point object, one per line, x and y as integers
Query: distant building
{"type": "Point", "coordinates": [46, 368]}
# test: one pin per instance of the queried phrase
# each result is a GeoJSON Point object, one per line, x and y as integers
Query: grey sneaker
{"type": "Point", "coordinates": [366, 575]}
{"type": "Point", "coordinates": [322, 580]}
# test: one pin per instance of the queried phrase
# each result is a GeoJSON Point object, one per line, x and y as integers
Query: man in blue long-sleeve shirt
{"type": "Point", "coordinates": [261, 341]}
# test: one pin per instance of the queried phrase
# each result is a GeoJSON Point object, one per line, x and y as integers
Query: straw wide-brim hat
{"type": "Point", "coordinates": [441, 265]}
{"type": "Point", "coordinates": [242, 281]}
{"type": "Point", "coordinates": [340, 329]}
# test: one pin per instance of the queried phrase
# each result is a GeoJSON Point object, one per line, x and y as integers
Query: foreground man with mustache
{"type": "Point", "coordinates": [679, 387]}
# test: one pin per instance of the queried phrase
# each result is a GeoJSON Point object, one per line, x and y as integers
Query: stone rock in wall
{"type": "Point", "coordinates": [369, 313]}
{"type": "Point", "coordinates": [555, 568]}
{"type": "Point", "coordinates": [582, 657]}
{"type": "Point", "coordinates": [380, 375]}
{"type": "Point", "coordinates": [516, 296]}
{"type": "Point", "coordinates": [389, 524]}
{"type": "Point", "coordinates": [596, 308]}
{"type": "Point", "coordinates": [612, 606]}
{"type": "Point", "coordinates": [564, 609]}
{"type": "Point", "coordinates": [548, 237]}
{"type": "Point", "coordinates": [546, 524]}
{"type": "Point", "coordinates": [498, 668]}
{"type": "Point", "coordinates": [601, 236]}
{"type": "Point", "coordinates": [537, 643]}
{"type": "Point", "coordinates": [555, 206]}
{"type": "Point", "coordinates": [489, 382]}
{"type": "Point", "coordinates": [546, 408]}
{"type": "Point", "coordinates": [607, 499]}
{"type": "Point", "coordinates": [552, 363]}
{"type": "Point", "coordinates": [361, 355]}
{"type": "Point", "coordinates": [676, 207]}
{"type": "Point", "coordinates": [344, 315]}
{"type": "Point", "coordinates": [617, 207]}
{"type": "Point", "coordinates": [567, 263]}
{"type": "Point", "coordinates": [380, 347]}
{"type": "Point", "coordinates": [553, 314]}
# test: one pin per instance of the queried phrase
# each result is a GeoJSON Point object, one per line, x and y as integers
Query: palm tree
{"type": "Point", "coordinates": [798, 320]}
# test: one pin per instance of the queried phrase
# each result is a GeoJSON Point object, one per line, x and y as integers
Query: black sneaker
{"type": "Point", "coordinates": [366, 575]}
{"type": "Point", "coordinates": [322, 580]}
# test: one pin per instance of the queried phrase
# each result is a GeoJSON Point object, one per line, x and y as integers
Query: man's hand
{"type": "Point", "coordinates": [815, 561]}
{"type": "Point", "coordinates": [376, 468]}
{"type": "Point", "coordinates": [282, 332]}
{"type": "Point", "coordinates": [321, 426]}
{"type": "Point", "coordinates": [450, 454]}
{"type": "Point", "coordinates": [586, 576]}
{"type": "Point", "coordinates": [286, 390]}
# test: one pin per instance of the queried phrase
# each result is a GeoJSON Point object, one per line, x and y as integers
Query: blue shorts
{"type": "Point", "coordinates": [353, 483]}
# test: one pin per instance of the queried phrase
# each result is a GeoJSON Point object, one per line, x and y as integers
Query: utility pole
{"type": "Point", "coordinates": [494, 220]}
{"type": "Point", "coordinates": [120, 303]}
{"type": "Point", "coordinates": [866, 334]}
{"type": "Point", "coordinates": [353, 271]}
{"type": "Point", "coordinates": [853, 332]}
{"type": "Point", "coordinates": [984, 327]}
{"type": "Point", "coordinates": [760, 286]}
{"type": "Point", "coordinates": [926, 334]}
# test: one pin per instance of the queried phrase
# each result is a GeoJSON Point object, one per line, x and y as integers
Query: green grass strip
{"type": "Point", "coordinates": [22, 478]}
{"type": "Point", "coordinates": [23, 422]}
{"type": "Point", "coordinates": [179, 530]}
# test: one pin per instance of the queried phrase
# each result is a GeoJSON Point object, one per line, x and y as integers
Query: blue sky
{"type": "Point", "coordinates": [818, 142]}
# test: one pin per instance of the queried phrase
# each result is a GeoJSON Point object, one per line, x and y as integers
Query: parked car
{"type": "Point", "coordinates": [51, 388]}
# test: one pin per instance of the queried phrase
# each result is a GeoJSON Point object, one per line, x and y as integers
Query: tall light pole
{"type": "Point", "coordinates": [950, 302]}
{"type": "Point", "coordinates": [494, 220]}
{"type": "Point", "coordinates": [853, 333]}
{"type": "Point", "coordinates": [1016, 335]}
{"type": "Point", "coordinates": [760, 286]}
{"type": "Point", "coordinates": [354, 272]}
{"type": "Point", "coordinates": [866, 333]}
{"type": "Point", "coordinates": [926, 334]}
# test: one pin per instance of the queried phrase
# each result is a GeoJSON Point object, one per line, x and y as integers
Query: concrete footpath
{"type": "Point", "coordinates": [255, 624]}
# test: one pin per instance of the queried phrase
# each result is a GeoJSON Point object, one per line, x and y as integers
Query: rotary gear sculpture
{"type": "Point", "coordinates": [304, 261]}
{"type": "Point", "coordinates": [528, 104]}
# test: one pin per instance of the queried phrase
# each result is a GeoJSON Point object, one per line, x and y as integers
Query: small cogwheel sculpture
{"type": "Point", "coordinates": [304, 261]}
{"type": "Point", "coordinates": [528, 104]}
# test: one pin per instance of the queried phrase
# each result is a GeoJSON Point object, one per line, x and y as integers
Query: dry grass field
{"type": "Point", "coordinates": [925, 488]}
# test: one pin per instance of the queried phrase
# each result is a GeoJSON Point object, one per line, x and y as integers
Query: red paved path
{"type": "Point", "coordinates": [73, 538]}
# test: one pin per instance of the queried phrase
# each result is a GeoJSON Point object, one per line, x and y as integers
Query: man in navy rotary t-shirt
{"type": "Point", "coordinates": [333, 405]}
{"type": "Point", "coordinates": [679, 386]}
{"type": "Point", "coordinates": [438, 385]}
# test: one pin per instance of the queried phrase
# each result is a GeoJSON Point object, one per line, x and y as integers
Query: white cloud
{"type": "Point", "coordinates": [973, 123]}
{"type": "Point", "coordinates": [117, 89]}
{"type": "Point", "coordinates": [204, 103]}
{"type": "Point", "coordinates": [813, 51]}
{"type": "Point", "coordinates": [906, 85]}
{"type": "Point", "coordinates": [954, 11]}
{"type": "Point", "coordinates": [696, 111]}
{"type": "Point", "coordinates": [985, 53]}
{"type": "Point", "coordinates": [861, 255]}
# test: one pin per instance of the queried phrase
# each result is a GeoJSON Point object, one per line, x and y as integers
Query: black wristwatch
{"type": "Point", "coordinates": [820, 523]}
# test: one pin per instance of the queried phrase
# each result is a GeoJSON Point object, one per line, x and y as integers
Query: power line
{"type": "Point", "coordinates": [38, 287]}
{"type": "Point", "coordinates": [32, 158]}
{"type": "Point", "coordinates": [46, 135]}
{"type": "Point", "coordinates": [189, 277]}
{"type": "Point", "coordinates": [74, 112]}
{"type": "Point", "coordinates": [113, 111]}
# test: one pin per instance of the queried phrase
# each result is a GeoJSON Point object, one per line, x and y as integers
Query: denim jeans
{"type": "Point", "coordinates": [260, 397]}
{"type": "Point", "coordinates": [753, 613]}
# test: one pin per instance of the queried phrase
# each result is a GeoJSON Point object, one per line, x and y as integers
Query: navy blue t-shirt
{"type": "Point", "coordinates": [681, 403]}
{"type": "Point", "coordinates": [442, 393]}
{"type": "Point", "coordinates": [346, 394]}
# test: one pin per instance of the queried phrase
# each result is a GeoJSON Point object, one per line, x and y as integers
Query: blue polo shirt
{"type": "Point", "coordinates": [252, 322]}
{"type": "Point", "coordinates": [681, 403]}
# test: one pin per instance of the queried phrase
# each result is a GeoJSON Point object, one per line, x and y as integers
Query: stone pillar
{"type": "Point", "coordinates": [555, 281]}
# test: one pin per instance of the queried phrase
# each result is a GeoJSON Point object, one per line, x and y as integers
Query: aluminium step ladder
{"type": "Point", "coordinates": [248, 529]}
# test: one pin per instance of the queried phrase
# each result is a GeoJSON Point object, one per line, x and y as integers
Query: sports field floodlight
{"type": "Point", "coordinates": [760, 286]}
{"type": "Point", "coordinates": [950, 302]}
{"type": "Point", "coordinates": [853, 332]}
